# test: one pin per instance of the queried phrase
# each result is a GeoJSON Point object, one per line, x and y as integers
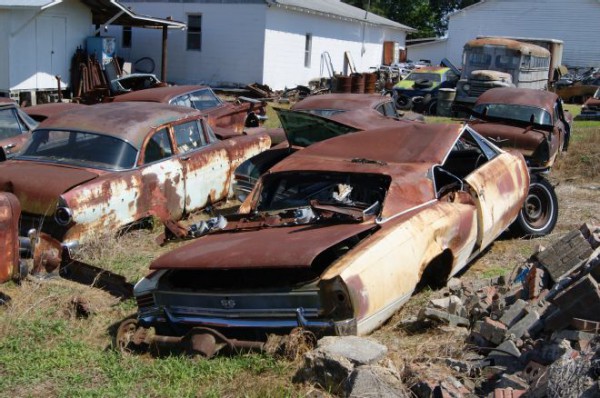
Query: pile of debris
{"type": "Point", "coordinates": [539, 332]}
{"type": "Point", "coordinates": [534, 334]}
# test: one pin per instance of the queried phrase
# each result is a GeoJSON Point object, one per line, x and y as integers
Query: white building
{"type": "Point", "coordinates": [575, 22]}
{"type": "Point", "coordinates": [39, 37]}
{"type": "Point", "coordinates": [274, 42]}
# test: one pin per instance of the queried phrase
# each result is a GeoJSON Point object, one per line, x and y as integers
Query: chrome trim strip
{"type": "Point", "coordinates": [382, 221]}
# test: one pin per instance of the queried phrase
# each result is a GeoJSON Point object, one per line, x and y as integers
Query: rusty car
{"type": "Point", "coordinates": [223, 116]}
{"type": "Point", "coordinates": [10, 210]}
{"type": "Point", "coordinates": [102, 168]}
{"type": "Point", "coordinates": [41, 112]}
{"type": "Point", "coordinates": [314, 119]}
{"type": "Point", "coordinates": [15, 127]}
{"type": "Point", "coordinates": [534, 123]}
{"type": "Point", "coordinates": [590, 110]}
{"type": "Point", "coordinates": [333, 239]}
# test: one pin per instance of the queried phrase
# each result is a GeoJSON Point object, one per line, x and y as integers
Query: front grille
{"type": "Point", "coordinates": [477, 89]}
{"type": "Point", "coordinates": [241, 304]}
{"type": "Point", "coordinates": [145, 300]}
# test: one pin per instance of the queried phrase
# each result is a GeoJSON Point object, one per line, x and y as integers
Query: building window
{"type": "Point", "coordinates": [126, 39]}
{"type": "Point", "coordinates": [307, 50]}
{"type": "Point", "coordinates": [194, 32]}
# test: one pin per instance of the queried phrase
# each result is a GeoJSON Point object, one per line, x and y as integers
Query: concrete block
{"type": "Point", "coordinates": [454, 285]}
{"type": "Point", "coordinates": [581, 299]}
{"type": "Point", "coordinates": [375, 381]}
{"type": "Point", "coordinates": [443, 316]}
{"type": "Point", "coordinates": [513, 313]}
{"type": "Point", "coordinates": [507, 355]}
{"type": "Point", "coordinates": [564, 256]}
{"type": "Point", "coordinates": [358, 350]}
{"type": "Point", "coordinates": [491, 330]}
{"type": "Point", "coordinates": [530, 324]}
{"type": "Point", "coordinates": [591, 233]}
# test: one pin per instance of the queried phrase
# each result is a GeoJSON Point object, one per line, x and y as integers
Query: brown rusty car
{"type": "Point", "coordinates": [335, 239]}
{"type": "Point", "coordinates": [15, 127]}
{"type": "Point", "coordinates": [223, 116]}
{"type": "Point", "coordinates": [590, 110]}
{"type": "Point", "coordinates": [534, 123]}
{"type": "Point", "coordinates": [531, 121]}
{"type": "Point", "coordinates": [98, 169]}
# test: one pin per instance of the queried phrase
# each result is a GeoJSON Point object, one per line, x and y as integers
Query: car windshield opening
{"type": "Point", "coordinates": [80, 149]}
{"type": "Point", "coordinates": [518, 113]}
{"type": "Point", "coordinates": [299, 189]}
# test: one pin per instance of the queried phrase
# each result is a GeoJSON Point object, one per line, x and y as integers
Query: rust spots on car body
{"type": "Point", "coordinates": [10, 211]}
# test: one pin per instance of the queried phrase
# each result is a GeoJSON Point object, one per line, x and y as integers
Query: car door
{"type": "Point", "coordinates": [162, 190]}
{"type": "Point", "coordinates": [205, 162]}
{"type": "Point", "coordinates": [498, 184]}
{"type": "Point", "coordinates": [14, 132]}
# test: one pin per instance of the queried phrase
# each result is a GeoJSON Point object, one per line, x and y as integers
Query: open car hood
{"type": "Point", "coordinates": [304, 129]}
{"type": "Point", "coordinates": [269, 247]}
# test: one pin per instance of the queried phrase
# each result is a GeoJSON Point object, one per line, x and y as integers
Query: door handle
{"type": "Point", "coordinates": [10, 146]}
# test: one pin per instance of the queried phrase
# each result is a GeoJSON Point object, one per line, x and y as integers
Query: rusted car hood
{"type": "Point", "coordinates": [270, 247]}
{"type": "Point", "coordinates": [38, 185]}
{"type": "Point", "coordinates": [507, 136]}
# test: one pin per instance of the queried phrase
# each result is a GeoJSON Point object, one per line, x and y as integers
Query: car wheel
{"type": "Point", "coordinates": [432, 108]}
{"type": "Point", "coordinates": [404, 102]}
{"type": "Point", "coordinates": [127, 338]}
{"type": "Point", "coordinates": [540, 210]}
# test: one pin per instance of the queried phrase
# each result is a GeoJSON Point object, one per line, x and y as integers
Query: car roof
{"type": "Point", "coordinates": [7, 102]}
{"type": "Point", "coordinates": [130, 121]}
{"type": "Point", "coordinates": [519, 96]}
{"type": "Point", "coordinates": [158, 94]}
{"type": "Point", "coordinates": [44, 111]}
{"type": "Point", "coordinates": [342, 101]}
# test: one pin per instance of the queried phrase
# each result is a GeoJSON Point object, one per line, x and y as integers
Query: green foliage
{"type": "Point", "coordinates": [429, 17]}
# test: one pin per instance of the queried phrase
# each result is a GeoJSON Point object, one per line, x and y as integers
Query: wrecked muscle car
{"type": "Point", "coordinates": [102, 168]}
{"type": "Point", "coordinates": [315, 119]}
{"type": "Point", "coordinates": [590, 110]}
{"type": "Point", "coordinates": [15, 127]}
{"type": "Point", "coordinates": [334, 239]}
{"type": "Point", "coordinates": [223, 116]}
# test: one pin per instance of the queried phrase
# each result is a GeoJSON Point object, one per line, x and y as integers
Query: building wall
{"type": "Point", "coordinates": [286, 38]}
{"type": "Point", "coordinates": [433, 51]}
{"type": "Point", "coordinates": [41, 44]}
{"type": "Point", "coordinates": [246, 42]}
{"type": "Point", "coordinates": [572, 22]}
{"type": "Point", "coordinates": [232, 42]}
{"type": "Point", "coordinates": [4, 56]}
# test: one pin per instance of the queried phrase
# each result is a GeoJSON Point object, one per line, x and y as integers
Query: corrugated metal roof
{"type": "Point", "coordinates": [102, 11]}
{"type": "Point", "coordinates": [28, 3]}
{"type": "Point", "coordinates": [337, 9]}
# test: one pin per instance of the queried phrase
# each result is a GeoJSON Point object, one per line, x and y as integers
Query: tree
{"type": "Point", "coordinates": [429, 17]}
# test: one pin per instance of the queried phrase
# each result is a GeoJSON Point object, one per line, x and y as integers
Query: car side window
{"type": "Point", "coordinates": [189, 136]}
{"type": "Point", "coordinates": [9, 124]}
{"type": "Point", "coordinates": [182, 100]}
{"type": "Point", "coordinates": [158, 147]}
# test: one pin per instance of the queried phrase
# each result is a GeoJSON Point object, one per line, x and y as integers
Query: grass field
{"type": "Point", "coordinates": [47, 350]}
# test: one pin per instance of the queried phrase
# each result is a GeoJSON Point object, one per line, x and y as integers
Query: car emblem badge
{"type": "Point", "coordinates": [228, 303]}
